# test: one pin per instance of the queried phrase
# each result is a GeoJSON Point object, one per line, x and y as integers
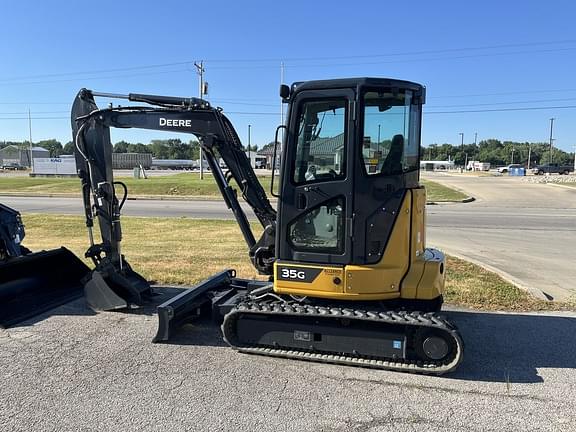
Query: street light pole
{"type": "Point", "coordinates": [249, 158]}
{"type": "Point", "coordinates": [200, 69]}
{"type": "Point", "coordinates": [462, 146]}
{"type": "Point", "coordinates": [30, 136]}
{"type": "Point", "coordinates": [551, 139]}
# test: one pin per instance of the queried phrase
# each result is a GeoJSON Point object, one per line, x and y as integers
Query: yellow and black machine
{"type": "Point", "coordinates": [351, 280]}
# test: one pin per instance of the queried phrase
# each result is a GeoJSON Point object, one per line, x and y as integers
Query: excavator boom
{"type": "Point", "coordinates": [114, 284]}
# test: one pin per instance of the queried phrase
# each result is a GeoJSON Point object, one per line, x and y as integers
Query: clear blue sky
{"type": "Point", "coordinates": [472, 56]}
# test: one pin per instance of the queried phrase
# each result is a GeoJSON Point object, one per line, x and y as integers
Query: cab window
{"type": "Point", "coordinates": [391, 133]}
{"type": "Point", "coordinates": [321, 141]}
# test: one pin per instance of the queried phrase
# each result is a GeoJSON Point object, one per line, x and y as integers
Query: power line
{"type": "Point", "coordinates": [501, 110]}
{"type": "Point", "coordinates": [425, 112]}
{"type": "Point", "coordinates": [502, 93]}
{"type": "Point", "coordinates": [189, 63]}
{"type": "Point", "coordinates": [502, 103]}
{"type": "Point", "coordinates": [92, 78]}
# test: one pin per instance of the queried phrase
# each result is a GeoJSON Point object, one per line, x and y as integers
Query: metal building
{"type": "Point", "coordinates": [21, 155]}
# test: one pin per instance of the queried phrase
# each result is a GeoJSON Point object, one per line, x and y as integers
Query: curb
{"type": "Point", "coordinates": [465, 200]}
{"type": "Point", "coordinates": [185, 197]}
{"type": "Point", "coordinates": [130, 198]}
{"type": "Point", "coordinates": [563, 186]}
{"type": "Point", "coordinates": [535, 292]}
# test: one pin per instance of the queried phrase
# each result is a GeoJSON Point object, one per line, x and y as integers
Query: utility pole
{"type": "Point", "coordinates": [200, 70]}
{"type": "Point", "coordinates": [529, 155]}
{"type": "Point", "coordinates": [378, 138]}
{"type": "Point", "coordinates": [512, 161]}
{"type": "Point", "coordinates": [281, 103]}
{"type": "Point", "coordinates": [462, 147]}
{"type": "Point", "coordinates": [281, 118]}
{"type": "Point", "coordinates": [249, 130]}
{"type": "Point", "coordinates": [30, 136]}
{"type": "Point", "coordinates": [551, 139]}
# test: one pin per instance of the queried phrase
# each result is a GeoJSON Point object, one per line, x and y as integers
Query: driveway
{"type": "Point", "coordinates": [525, 231]}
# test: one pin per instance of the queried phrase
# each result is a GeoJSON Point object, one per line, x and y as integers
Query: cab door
{"type": "Point", "coordinates": [316, 197]}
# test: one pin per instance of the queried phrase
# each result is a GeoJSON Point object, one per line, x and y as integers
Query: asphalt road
{"type": "Point", "coordinates": [71, 370]}
{"type": "Point", "coordinates": [526, 232]}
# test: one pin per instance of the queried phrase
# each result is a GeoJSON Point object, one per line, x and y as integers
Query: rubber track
{"type": "Point", "coordinates": [424, 320]}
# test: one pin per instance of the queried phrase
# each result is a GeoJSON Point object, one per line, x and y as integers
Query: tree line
{"type": "Point", "coordinates": [160, 149]}
{"type": "Point", "coordinates": [498, 153]}
{"type": "Point", "coordinates": [491, 150]}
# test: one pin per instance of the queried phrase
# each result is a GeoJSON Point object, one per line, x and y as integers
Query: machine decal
{"type": "Point", "coordinates": [175, 122]}
{"type": "Point", "coordinates": [298, 274]}
{"type": "Point", "coordinates": [302, 335]}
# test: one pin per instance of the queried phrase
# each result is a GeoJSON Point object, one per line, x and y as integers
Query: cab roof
{"type": "Point", "coordinates": [357, 83]}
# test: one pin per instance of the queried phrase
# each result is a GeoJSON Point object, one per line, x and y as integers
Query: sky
{"type": "Point", "coordinates": [494, 69]}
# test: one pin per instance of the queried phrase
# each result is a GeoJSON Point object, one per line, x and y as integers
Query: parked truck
{"type": "Point", "coordinates": [131, 160]}
{"type": "Point", "coordinates": [552, 168]}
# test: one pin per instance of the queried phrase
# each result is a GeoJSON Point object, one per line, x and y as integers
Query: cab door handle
{"type": "Point", "coordinates": [301, 201]}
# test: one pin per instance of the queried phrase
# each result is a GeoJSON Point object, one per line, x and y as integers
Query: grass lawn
{"type": "Point", "coordinates": [186, 184]}
{"type": "Point", "coordinates": [186, 251]}
{"type": "Point", "coordinates": [440, 193]}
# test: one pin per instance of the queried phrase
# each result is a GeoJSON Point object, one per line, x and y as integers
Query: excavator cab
{"type": "Point", "coordinates": [362, 213]}
{"type": "Point", "coordinates": [351, 280]}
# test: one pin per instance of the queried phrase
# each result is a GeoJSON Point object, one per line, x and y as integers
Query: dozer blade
{"type": "Point", "coordinates": [34, 283]}
{"type": "Point", "coordinates": [212, 298]}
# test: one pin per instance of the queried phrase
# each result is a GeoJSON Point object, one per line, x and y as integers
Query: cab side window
{"type": "Point", "coordinates": [320, 152]}
{"type": "Point", "coordinates": [390, 145]}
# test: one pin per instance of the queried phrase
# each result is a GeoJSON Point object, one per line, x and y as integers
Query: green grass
{"type": "Point", "coordinates": [440, 193]}
{"type": "Point", "coordinates": [186, 184]}
{"type": "Point", "coordinates": [186, 251]}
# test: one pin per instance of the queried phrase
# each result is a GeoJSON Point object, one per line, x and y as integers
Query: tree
{"type": "Point", "coordinates": [68, 148]}
{"type": "Point", "coordinates": [121, 147]}
{"type": "Point", "coordinates": [55, 147]}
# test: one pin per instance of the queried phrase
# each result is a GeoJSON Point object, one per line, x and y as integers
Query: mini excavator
{"type": "Point", "coordinates": [351, 280]}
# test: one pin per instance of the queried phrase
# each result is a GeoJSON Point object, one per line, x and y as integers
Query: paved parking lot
{"type": "Point", "coordinates": [73, 370]}
{"type": "Point", "coordinates": [525, 231]}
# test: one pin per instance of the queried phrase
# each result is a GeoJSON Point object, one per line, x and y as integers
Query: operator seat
{"type": "Point", "coordinates": [393, 162]}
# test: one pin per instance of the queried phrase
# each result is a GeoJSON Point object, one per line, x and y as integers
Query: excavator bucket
{"type": "Point", "coordinates": [34, 283]}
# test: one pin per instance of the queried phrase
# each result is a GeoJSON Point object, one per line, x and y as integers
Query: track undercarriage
{"type": "Point", "coordinates": [257, 321]}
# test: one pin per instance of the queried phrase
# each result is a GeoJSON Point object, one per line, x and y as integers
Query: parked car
{"type": "Point", "coordinates": [13, 166]}
{"type": "Point", "coordinates": [507, 168]}
{"type": "Point", "coordinates": [553, 168]}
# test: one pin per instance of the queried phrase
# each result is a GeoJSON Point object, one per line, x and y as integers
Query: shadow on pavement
{"type": "Point", "coordinates": [502, 347]}
{"type": "Point", "coordinates": [498, 347]}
